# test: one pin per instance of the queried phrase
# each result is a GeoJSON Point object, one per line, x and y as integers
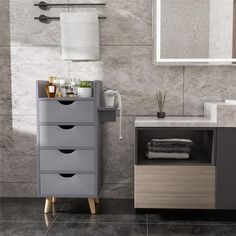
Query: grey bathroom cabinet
{"type": "Point", "coordinates": [205, 181]}
{"type": "Point", "coordinates": [69, 144]}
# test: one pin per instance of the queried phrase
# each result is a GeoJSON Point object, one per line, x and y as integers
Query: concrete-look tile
{"type": "Point", "coordinates": [4, 22]}
{"type": "Point", "coordinates": [114, 190]}
{"type": "Point", "coordinates": [203, 84]}
{"type": "Point", "coordinates": [5, 80]}
{"type": "Point", "coordinates": [77, 211]}
{"type": "Point", "coordinates": [18, 149]}
{"type": "Point", "coordinates": [25, 30]}
{"type": "Point", "coordinates": [85, 229]}
{"type": "Point", "coordinates": [127, 22]}
{"type": "Point", "coordinates": [22, 229]}
{"type": "Point", "coordinates": [130, 70]}
{"type": "Point", "coordinates": [26, 210]}
{"type": "Point", "coordinates": [118, 155]}
{"type": "Point", "coordinates": [18, 189]}
{"type": "Point", "coordinates": [28, 65]}
{"type": "Point", "coordinates": [183, 229]}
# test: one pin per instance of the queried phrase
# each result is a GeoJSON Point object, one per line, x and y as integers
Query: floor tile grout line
{"type": "Point", "coordinates": [100, 222]}
{"type": "Point", "coordinates": [147, 223]}
{"type": "Point", "coordinates": [191, 223]}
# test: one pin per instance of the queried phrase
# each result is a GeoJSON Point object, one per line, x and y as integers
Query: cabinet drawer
{"type": "Point", "coordinates": [67, 136]}
{"type": "Point", "coordinates": [175, 187]}
{"type": "Point", "coordinates": [66, 111]}
{"type": "Point", "coordinates": [66, 160]}
{"type": "Point", "coordinates": [57, 185]}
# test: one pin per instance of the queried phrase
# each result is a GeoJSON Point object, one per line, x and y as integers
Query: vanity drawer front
{"type": "Point", "coordinates": [67, 160]}
{"type": "Point", "coordinates": [66, 136]}
{"type": "Point", "coordinates": [175, 187]}
{"type": "Point", "coordinates": [77, 185]}
{"type": "Point", "coordinates": [66, 111]}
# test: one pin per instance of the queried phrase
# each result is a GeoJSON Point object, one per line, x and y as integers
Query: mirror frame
{"type": "Point", "coordinates": [156, 27]}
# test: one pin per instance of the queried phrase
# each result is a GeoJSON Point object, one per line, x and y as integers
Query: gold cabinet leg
{"type": "Point", "coordinates": [97, 200]}
{"type": "Point", "coordinates": [54, 200]}
{"type": "Point", "coordinates": [48, 204]}
{"type": "Point", "coordinates": [92, 205]}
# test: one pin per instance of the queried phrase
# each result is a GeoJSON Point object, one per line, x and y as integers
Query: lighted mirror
{"type": "Point", "coordinates": [194, 32]}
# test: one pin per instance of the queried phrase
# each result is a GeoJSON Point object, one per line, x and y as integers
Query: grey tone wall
{"type": "Point", "coordinates": [30, 51]}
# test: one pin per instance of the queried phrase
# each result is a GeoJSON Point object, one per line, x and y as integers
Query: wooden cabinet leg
{"type": "Point", "coordinates": [92, 205]}
{"type": "Point", "coordinates": [48, 204]}
{"type": "Point", "coordinates": [97, 200]}
{"type": "Point", "coordinates": [54, 200]}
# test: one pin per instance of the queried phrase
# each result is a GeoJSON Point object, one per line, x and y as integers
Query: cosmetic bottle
{"type": "Point", "coordinates": [51, 88]}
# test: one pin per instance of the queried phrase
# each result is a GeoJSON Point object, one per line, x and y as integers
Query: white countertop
{"type": "Point", "coordinates": [216, 114]}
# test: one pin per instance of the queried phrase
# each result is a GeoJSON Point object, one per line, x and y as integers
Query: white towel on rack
{"type": "Point", "coordinates": [80, 35]}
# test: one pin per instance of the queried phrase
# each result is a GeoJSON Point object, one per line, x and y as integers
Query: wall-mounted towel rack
{"type": "Point", "coordinates": [44, 6]}
{"type": "Point", "coordinates": [46, 19]}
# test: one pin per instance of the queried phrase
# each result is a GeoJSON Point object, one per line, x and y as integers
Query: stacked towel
{"type": "Point", "coordinates": [169, 148]}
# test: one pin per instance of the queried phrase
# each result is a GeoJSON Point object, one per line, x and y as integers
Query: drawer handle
{"type": "Point", "coordinates": [66, 126]}
{"type": "Point", "coordinates": [66, 102]}
{"type": "Point", "coordinates": [66, 151]}
{"type": "Point", "coordinates": [67, 175]}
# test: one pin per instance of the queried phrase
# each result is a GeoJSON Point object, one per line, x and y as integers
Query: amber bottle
{"type": "Point", "coordinates": [51, 88]}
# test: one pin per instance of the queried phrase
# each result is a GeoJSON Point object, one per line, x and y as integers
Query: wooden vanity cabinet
{"type": "Point", "coordinates": [205, 181]}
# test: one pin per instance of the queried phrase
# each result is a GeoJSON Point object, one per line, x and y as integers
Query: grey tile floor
{"type": "Point", "coordinates": [24, 216]}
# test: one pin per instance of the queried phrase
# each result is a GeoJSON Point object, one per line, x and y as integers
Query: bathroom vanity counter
{"type": "Point", "coordinates": [216, 114]}
{"type": "Point", "coordinates": [174, 121]}
{"type": "Point", "coordinates": [206, 180]}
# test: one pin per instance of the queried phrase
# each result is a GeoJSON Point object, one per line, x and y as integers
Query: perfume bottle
{"type": "Point", "coordinates": [51, 88]}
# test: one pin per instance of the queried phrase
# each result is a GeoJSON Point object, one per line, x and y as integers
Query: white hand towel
{"type": "Point", "coordinates": [80, 37]}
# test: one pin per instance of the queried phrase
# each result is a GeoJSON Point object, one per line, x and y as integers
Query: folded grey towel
{"type": "Point", "coordinates": [169, 148]}
{"type": "Point", "coordinates": [174, 141]}
{"type": "Point", "coordinates": [164, 155]}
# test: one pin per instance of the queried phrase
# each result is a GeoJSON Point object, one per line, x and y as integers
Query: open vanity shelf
{"type": "Point", "coordinates": [202, 153]}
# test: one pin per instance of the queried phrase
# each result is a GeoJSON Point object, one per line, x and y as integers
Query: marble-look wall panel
{"type": "Point", "coordinates": [209, 84]}
{"type": "Point", "coordinates": [4, 21]}
{"type": "Point", "coordinates": [25, 30]}
{"type": "Point", "coordinates": [5, 80]}
{"type": "Point", "coordinates": [121, 191]}
{"type": "Point", "coordinates": [127, 23]}
{"type": "Point", "coordinates": [18, 189]}
{"type": "Point", "coordinates": [129, 69]}
{"type": "Point", "coordinates": [87, 70]}
{"type": "Point", "coordinates": [118, 156]}
{"type": "Point", "coordinates": [29, 64]}
{"type": "Point", "coordinates": [18, 149]}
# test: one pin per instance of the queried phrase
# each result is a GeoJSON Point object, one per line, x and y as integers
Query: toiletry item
{"type": "Point", "coordinates": [51, 87]}
{"type": "Point", "coordinates": [62, 88]}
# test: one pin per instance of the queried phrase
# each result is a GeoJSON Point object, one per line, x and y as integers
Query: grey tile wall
{"type": "Point", "coordinates": [30, 50]}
